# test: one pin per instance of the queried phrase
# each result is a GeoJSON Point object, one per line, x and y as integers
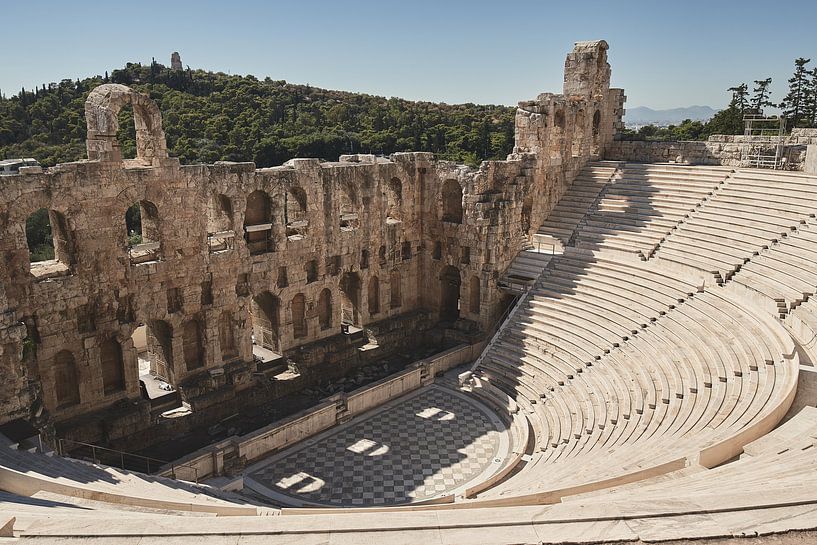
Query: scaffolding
{"type": "Point", "coordinates": [764, 143]}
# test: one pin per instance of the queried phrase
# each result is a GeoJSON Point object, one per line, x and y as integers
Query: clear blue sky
{"type": "Point", "coordinates": [665, 54]}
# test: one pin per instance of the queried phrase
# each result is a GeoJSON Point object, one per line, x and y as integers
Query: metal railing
{"type": "Point", "coordinates": [113, 455]}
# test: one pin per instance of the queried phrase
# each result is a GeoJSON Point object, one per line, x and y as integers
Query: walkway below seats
{"type": "Point", "coordinates": [428, 444]}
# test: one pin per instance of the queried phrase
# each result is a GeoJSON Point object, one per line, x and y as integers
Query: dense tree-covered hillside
{"type": "Point", "coordinates": [214, 116]}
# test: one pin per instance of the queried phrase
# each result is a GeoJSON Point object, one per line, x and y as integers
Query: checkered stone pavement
{"type": "Point", "coordinates": [425, 446]}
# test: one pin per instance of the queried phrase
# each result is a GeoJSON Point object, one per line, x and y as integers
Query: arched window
{"type": "Point", "coordinates": [258, 223]}
{"type": "Point", "coordinates": [142, 229]}
{"type": "Point", "coordinates": [394, 200]}
{"type": "Point", "coordinates": [452, 201]}
{"type": "Point", "coordinates": [364, 259]}
{"type": "Point", "coordinates": [47, 237]}
{"type": "Point", "coordinates": [299, 328]}
{"type": "Point", "coordinates": [66, 379]}
{"type": "Point", "coordinates": [191, 345]}
{"type": "Point", "coordinates": [474, 295]}
{"type": "Point", "coordinates": [264, 312]}
{"type": "Point", "coordinates": [113, 367]}
{"type": "Point", "coordinates": [220, 233]}
{"type": "Point", "coordinates": [226, 336]}
{"type": "Point", "coordinates": [295, 213]}
{"type": "Point", "coordinates": [325, 308]}
{"type": "Point", "coordinates": [374, 296]}
{"type": "Point", "coordinates": [396, 297]}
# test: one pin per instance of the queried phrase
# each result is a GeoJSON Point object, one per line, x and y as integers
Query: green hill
{"type": "Point", "coordinates": [214, 116]}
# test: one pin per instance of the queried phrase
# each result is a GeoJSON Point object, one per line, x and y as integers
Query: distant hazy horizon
{"type": "Point", "coordinates": [455, 52]}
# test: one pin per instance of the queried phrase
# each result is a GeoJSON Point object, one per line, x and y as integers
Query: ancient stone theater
{"type": "Point", "coordinates": [592, 341]}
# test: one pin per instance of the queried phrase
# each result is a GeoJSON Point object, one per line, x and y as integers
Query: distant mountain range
{"type": "Point", "coordinates": [642, 115]}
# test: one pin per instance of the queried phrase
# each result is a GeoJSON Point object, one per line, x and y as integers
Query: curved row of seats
{"type": "Point", "coordinates": [646, 201]}
{"type": "Point", "coordinates": [614, 360]}
{"type": "Point", "coordinates": [749, 213]}
{"type": "Point", "coordinates": [31, 473]}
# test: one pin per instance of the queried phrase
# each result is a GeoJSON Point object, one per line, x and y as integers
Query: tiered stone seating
{"type": "Point", "coordinates": [555, 232]}
{"type": "Point", "coordinates": [752, 211]}
{"type": "Point", "coordinates": [637, 210]}
{"type": "Point", "coordinates": [620, 357]}
{"type": "Point", "coordinates": [631, 389]}
{"type": "Point", "coordinates": [780, 460]}
{"type": "Point", "coordinates": [30, 473]}
{"type": "Point", "coordinates": [785, 272]}
{"type": "Point", "coordinates": [577, 201]}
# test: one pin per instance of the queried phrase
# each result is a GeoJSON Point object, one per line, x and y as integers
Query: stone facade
{"type": "Point", "coordinates": [286, 257]}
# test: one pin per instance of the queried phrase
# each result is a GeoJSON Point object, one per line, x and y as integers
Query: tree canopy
{"type": "Point", "coordinates": [210, 116]}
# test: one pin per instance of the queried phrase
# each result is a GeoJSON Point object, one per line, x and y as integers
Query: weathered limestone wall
{"type": "Point", "coordinates": [719, 149]}
{"type": "Point", "coordinates": [285, 255]}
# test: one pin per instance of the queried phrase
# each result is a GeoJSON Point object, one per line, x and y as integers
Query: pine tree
{"type": "Point", "coordinates": [760, 95]}
{"type": "Point", "coordinates": [794, 104]}
{"type": "Point", "coordinates": [740, 97]}
{"type": "Point", "coordinates": [810, 99]}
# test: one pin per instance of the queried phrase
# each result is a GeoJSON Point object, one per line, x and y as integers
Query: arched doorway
{"type": "Point", "coordinates": [450, 294]}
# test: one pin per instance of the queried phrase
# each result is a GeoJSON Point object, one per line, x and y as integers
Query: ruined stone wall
{"type": "Point", "coordinates": [718, 149]}
{"type": "Point", "coordinates": [231, 252]}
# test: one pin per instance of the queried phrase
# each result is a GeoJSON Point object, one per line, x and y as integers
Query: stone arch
{"type": "Point", "coordinates": [474, 296]}
{"type": "Point", "coordinates": [450, 294]}
{"type": "Point", "coordinates": [113, 366]}
{"type": "Point", "coordinates": [396, 289]}
{"type": "Point", "coordinates": [265, 315]}
{"type": "Point", "coordinates": [578, 134]}
{"type": "Point", "coordinates": [48, 237]}
{"type": "Point", "coordinates": [101, 109]}
{"type": "Point", "coordinates": [325, 308]}
{"type": "Point", "coordinates": [258, 223]}
{"type": "Point", "coordinates": [142, 228]}
{"type": "Point", "coordinates": [452, 202]}
{"type": "Point", "coordinates": [394, 200]}
{"type": "Point", "coordinates": [350, 298]}
{"type": "Point", "coordinates": [226, 336]}
{"type": "Point", "coordinates": [66, 379]}
{"type": "Point", "coordinates": [298, 307]}
{"type": "Point", "coordinates": [373, 296]}
{"type": "Point", "coordinates": [192, 348]}
{"type": "Point", "coordinates": [159, 335]}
